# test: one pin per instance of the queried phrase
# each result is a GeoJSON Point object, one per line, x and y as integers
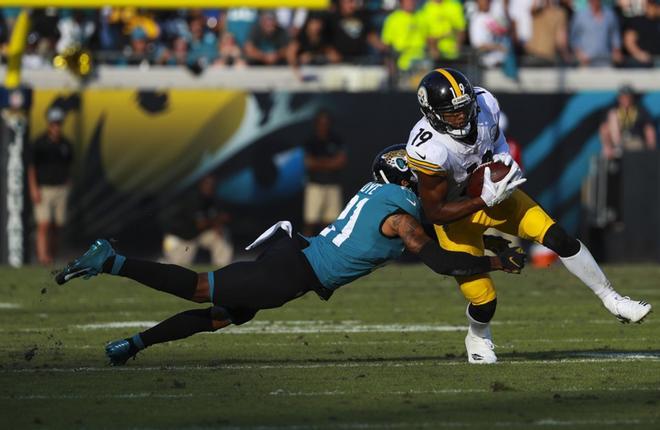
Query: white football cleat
{"type": "Point", "coordinates": [627, 310]}
{"type": "Point", "coordinates": [479, 349]}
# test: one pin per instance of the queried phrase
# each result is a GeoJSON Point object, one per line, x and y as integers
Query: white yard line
{"type": "Point", "coordinates": [5, 305]}
{"type": "Point", "coordinates": [440, 424]}
{"type": "Point", "coordinates": [296, 327]}
{"type": "Point", "coordinates": [388, 363]}
{"type": "Point", "coordinates": [510, 344]}
{"type": "Point", "coordinates": [116, 324]}
{"type": "Point", "coordinates": [284, 393]}
{"type": "Point", "coordinates": [313, 326]}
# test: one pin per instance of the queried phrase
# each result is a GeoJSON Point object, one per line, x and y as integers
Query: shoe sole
{"type": "Point", "coordinates": [482, 362]}
{"type": "Point", "coordinates": [62, 278]}
{"type": "Point", "coordinates": [623, 320]}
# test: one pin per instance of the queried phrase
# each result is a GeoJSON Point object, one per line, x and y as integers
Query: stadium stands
{"type": "Point", "coordinates": [350, 34]}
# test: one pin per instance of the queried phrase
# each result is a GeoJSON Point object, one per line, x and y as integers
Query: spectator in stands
{"type": "Point", "coordinates": [292, 20]}
{"type": "Point", "coordinates": [75, 30]}
{"type": "Point", "coordinates": [631, 8]}
{"type": "Point", "coordinates": [487, 33]}
{"type": "Point", "coordinates": [351, 35]}
{"type": "Point", "coordinates": [203, 45]}
{"type": "Point", "coordinates": [311, 45]}
{"type": "Point", "coordinates": [109, 36]}
{"type": "Point", "coordinates": [194, 222]}
{"type": "Point", "coordinates": [173, 24]}
{"type": "Point", "coordinates": [138, 53]}
{"type": "Point", "coordinates": [403, 34]}
{"type": "Point", "coordinates": [520, 13]}
{"type": "Point", "coordinates": [139, 18]}
{"type": "Point", "coordinates": [239, 22]}
{"type": "Point", "coordinates": [49, 176]}
{"type": "Point", "coordinates": [229, 53]}
{"type": "Point", "coordinates": [37, 53]}
{"type": "Point", "coordinates": [444, 24]}
{"type": "Point", "coordinates": [627, 127]}
{"type": "Point", "coordinates": [177, 55]}
{"type": "Point", "coordinates": [44, 27]}
{"type": "Point", "coordinates": [549, 40]}
{"type": "Point", "coordinates": [325, 158]}
{"type": "Point", "coordinates": [267, 42]}
{"type": "Point", "coordinates": [641, 36]}
{"type": "Point", "coordinates": [595, 36]}
{"type": "Point", "coordinates": [568, 6]}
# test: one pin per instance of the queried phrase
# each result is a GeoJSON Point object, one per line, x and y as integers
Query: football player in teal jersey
{"type": "Point", "coordinates": [377, 224]}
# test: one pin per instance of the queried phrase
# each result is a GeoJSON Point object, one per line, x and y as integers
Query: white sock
{"type": "Point", "coordinates": [585, 267]}
{"type": "Point", "coordinates": [478, 328]}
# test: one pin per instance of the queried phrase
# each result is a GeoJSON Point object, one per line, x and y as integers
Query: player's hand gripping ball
{"type": "Point", "coordinates": [498, 171]}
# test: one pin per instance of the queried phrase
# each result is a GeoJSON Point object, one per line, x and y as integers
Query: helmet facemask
{"type": "Point", "coordinates": [456, 121]}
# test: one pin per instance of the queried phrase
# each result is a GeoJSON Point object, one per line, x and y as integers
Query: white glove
{"type": "Point", "coordinates": [493, 193]}
{"type": "Point", "coordinates": [504, 157]}
{"type": "Point", "coordinates": [507, 160]}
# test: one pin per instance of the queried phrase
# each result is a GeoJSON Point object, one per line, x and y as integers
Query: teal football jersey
{"type": "Point", "coordinates": [353, 245]}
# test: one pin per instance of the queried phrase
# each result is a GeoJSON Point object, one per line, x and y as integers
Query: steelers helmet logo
{"type": "Point", "coordinates": [422, 96]}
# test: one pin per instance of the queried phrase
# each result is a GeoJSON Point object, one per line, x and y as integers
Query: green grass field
{"type": "Point", "coordinates": [385, 352]}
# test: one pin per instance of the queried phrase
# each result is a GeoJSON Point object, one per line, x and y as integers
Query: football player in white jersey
{"type": "Point", "coordinates": [457, 132]}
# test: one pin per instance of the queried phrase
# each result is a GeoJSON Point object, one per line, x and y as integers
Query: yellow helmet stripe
{"type": "Point", "coordinates": [452, 81]}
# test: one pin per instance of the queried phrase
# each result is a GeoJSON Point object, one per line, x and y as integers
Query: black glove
{"type": "Point", "coordinates": [512, 259]}
{"type": "Point", "coordinates": [496, 244]}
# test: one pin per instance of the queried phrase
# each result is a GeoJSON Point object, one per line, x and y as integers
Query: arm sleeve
{"type": "Point", "coordinates": [406, 201]}
{"type": "Point", "coordinates": [500, 146]}
{"type": "Point", "coordinates": [489, 103]}
{"type": "Point", "coordinates": [428, 159]}
{"type": "Point", "coordinates": [453, 263]}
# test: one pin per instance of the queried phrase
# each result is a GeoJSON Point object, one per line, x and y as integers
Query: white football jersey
{"type": "Point", "coordinates": [438, 154]}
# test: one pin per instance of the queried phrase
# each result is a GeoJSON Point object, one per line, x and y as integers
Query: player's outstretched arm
{"type": "Point", "coordinates": [444, 262]}
{"type": "Point", "coordinates": [433, 193]}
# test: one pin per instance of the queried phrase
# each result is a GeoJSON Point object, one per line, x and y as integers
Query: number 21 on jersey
{"type": "Point", "coordinates": [354, 207]}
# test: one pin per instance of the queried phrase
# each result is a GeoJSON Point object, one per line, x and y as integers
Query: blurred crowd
{"type": "Point", "coordinates": [403, 34]}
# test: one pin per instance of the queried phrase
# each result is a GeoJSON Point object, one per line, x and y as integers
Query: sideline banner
{"type": "Point", "coordinates": [138, 150]}
{"type": "Point", "coordinates": [14, 201]}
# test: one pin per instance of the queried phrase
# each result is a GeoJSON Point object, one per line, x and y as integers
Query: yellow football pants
{"type": "Point", "coordinates": [518, 215]}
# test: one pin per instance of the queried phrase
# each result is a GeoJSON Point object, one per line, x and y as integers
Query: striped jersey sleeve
{"type": "Point", "coordinates": [424, 152]}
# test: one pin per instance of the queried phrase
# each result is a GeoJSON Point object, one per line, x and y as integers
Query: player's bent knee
{"type": "Point", "coordinates": [478, 289]}
{"type": "Point", "coordinates": [219, 313]}
{"type": "Point", "coordinates": [560, 242]}
{"type": "Point", "coordinates": [235, 316]}
{"type": "Point", "coordinates": [535, 224]}
{"type": "Point", "coordinates": [203, 291]}
{"type": "Point", "coordinates": [482, 313]}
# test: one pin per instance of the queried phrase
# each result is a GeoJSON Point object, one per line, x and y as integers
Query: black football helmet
{"type": "Point", "coordinates": [447, 100]}
{"type": "Point", "coordinates": [390, 167]}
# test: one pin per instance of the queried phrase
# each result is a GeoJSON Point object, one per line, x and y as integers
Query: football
{"type": "Point", "coordinates": [498, 170]}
